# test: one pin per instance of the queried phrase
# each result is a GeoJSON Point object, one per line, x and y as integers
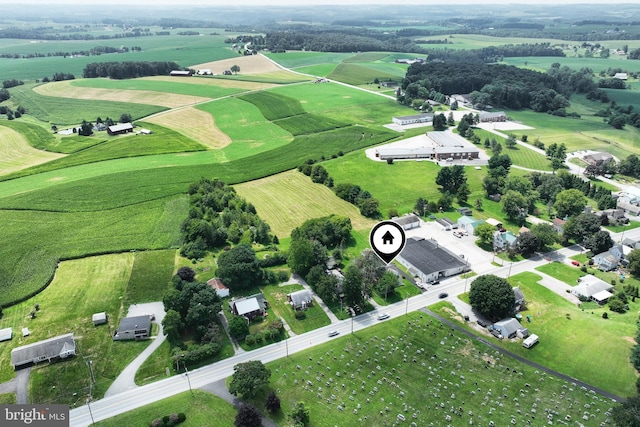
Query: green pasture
{"type": "Point", "coordinates": [630, 96]}
{"type": "Point", "coordinates": [358, 74]}
{"type": "Point", "coordinates": [36, 240]}
{"type": "Point", "coordinates": [567, 273]}
{"type": "Point", "coordinates": [520, 156]}
{"type": "Point", "coordinates": [209, 91]}
{"type": "Point", "coordinates": [201, 409]}
{"type": "Point", "coordinates": [249, 131]}
{"type": "Point", "coordinates": [315, 317]}
{"type": "Point", "coordinates": [68, 111]}
{"type": "Point", "coordinates": [36, 135]}
{"type": "Point", "coordinates": [586, 133]}
{"type": "Point", "coordinates": [478, 41]}
{"type": "Point", "coordinates": [321, 70]}
{"type": "Point", "coordinates": [105, 147]}
{"type": "Point", "coordinates": [305, 124]}
{"type": "Point", "coordinates": [150, 276]}
{"type": "Point", "coordinates": [296, 60]}
{"type": "Point", "coordinates": [399, 185]}
{"type": "Point", "coordinates": [568, 343]}
{"type": "Point", "coordinates": [274, 77]}
{"type": "Point", "coordinates": [402, 366]}
{"type": "Point", "coordinates": [185, 50]}
{"type": "Point", "coordinates": [541, 63]}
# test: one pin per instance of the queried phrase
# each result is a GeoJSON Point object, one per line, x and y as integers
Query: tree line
{"type": "Point", "coordinates": [128, 69]}
{"type": "Point", "coordinates": [36, 34]}
{"type": "Point", "coordinates": [495, 53]}
{"type": "Point", "coordinates": [96, 51]}
{"type": "Point", "coordinates": [339, 41]}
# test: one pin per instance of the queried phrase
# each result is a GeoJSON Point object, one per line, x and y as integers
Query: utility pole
{"type": "Point", "coordinates": [352, 324]}
{"type": "Point", "coordinates": [186, 374]}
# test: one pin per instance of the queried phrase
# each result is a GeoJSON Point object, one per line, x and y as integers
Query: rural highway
{"type": "Point", "coordinates": [140, 396]}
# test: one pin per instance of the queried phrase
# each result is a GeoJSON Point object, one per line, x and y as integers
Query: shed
{"type": "Point", "coordinates": [99, 318]}
{"type": "Point", "coordinates": [217, 285]}
{"type": "Point", "coordinates": [408, 222]}
{"type": "Point", "coordinates": [494, 222]}
{"type": "Point", "coordinates": [6, 334]}
{"type": "Point", "coordinates": [62, 346]}
{"type": "Point", "coordinates": [120, 129]}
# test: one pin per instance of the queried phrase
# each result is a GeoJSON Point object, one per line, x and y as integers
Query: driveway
{"type": "Point", "coordinates": [126, 379]}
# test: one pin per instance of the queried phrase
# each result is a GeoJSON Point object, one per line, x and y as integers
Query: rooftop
{"type": "Point", "coordinates": [428, 256]}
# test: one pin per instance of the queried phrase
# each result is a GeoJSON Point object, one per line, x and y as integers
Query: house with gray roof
{"type": "Point", "coordinates": [60, 347]}
{"type": "Point", "coordinates": [429, 261]}
{"type": "Point", "coordinates": [408, 221]}
{"type": "Point", "coordinates": [249, 307]}
{"type": "Point", "coordinates": [510, 328]}
{"type": "Point", "coordinates": [133, 328]}
{"type": "Point", "coordinates": [416, 118]}
{"type": "Point", "coordinates": [487, 117]}
{"type": "Point", "coordinates": [592, 288]}
{"type": "Point", "coordinates": [300, 300]}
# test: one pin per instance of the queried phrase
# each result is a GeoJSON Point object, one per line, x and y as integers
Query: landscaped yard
{"type": "Point", "coordinates": [315, 317]}
{"type": "Point", "coordinates": [566, 273]}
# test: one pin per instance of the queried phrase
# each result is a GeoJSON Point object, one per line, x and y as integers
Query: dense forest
{"type": "Point", "coordinates": [501, 86]}
{"type": "Point", "coordinates": [343, 41]}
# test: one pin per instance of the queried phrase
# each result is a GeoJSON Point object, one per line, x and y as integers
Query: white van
{"type": "Point", "coordinates": [530, 341]}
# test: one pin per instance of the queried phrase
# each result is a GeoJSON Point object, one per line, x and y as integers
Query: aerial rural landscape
{"type": "Point", "coordinates": [189, 197]}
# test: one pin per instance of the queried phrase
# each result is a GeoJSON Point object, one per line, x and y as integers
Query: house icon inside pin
{"type": "Point", "coordinates": [387, 238]}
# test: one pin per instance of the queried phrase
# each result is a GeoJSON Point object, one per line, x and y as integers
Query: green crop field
{"type": "Point", "coordinates": [415, 367]}
{"type": "Point", "coordinates": [295, 60]}
{"type": "Point", "coordinates": [206, 90]}
{"type": "Point", "coordinates": [596, 64]}
{"type": "Point", "coordinates": [65, 111]}
{"type": "Point", "coordinates": [358, 74]}
{"type": "Point", "coordinates": [304, 124]}
{"type": "Point", "coordinates": [274, 106]}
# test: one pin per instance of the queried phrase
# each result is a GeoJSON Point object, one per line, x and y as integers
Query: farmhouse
{"type": "Point", "coordinates": [120, 129]}
{"type": "Point", "coordinates": [487, 117]}
{"type": "Point", "coordinates": [217, 285]}
{"type": "Point", "coordinates": [503, 240]}
{"type": "Point", "coordinates": [300, 300]}
{"type": "Point", "coordinates": [409, 120]}
{"type": "Point", "coordinates": [597, 157]}
{"type": "Point", "coordinates": [610, 259]}
{"type": "Point", "coordinates": [429, 261]}
{"type": "Point", "coordinates": [99, 318]}
{"type": "Point", "coordinates": [249, 307]}
{"type": "Point", "coordinates": [135, 327]}
{"type": "Point", "coordinates": [62, 346]}
{"type": "Point", "coordinates": [408, 221]}
{"type": "Point", "coordinates": [6, 334]}
{"type": "Point", "coordinates": [510, 328]}
{"type": "Point", "coordinates": [592, 288]}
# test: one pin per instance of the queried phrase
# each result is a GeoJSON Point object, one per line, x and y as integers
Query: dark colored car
{"type": "Point", "coordinates": [443, 295]}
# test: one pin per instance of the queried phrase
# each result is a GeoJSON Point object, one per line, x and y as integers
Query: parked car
{"type": "Point", "coordinates": [576, 263]}
{"type": "Point", "coordinates": [496, 333]}
{"type": "Point", "coordinates": [333, 333]}
{"type": "Point", "coordinates": [383, 316]}
{"type": "Point", "coordinates": [443, 295]}
{"type": "Point", "coordinates": [481, 323]}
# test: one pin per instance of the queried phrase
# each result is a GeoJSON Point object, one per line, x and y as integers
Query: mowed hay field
{"type": "Point", "coordinates": [17, 154]}
{"type": "Point", "coordinates": [288, 199]}
{"type": "Point", "coordinates": [195, 124]}
{"type": "Point", "coordinates": [65, 89]}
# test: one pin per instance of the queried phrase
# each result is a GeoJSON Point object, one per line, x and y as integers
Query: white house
{"type": "Point", "coordinates": [592, 288]}
{"type": "Point", "coordinates": [503, 240]}
{"type": "Point", "coordinates": [217, 285]}
{"type": "Point", "coordinates": [610, 259]}
{"type": "Point", "coordinates": [510, 328]}
{"type": "Point", "coordinates": [300, 300]}
{"type": "Point", "coordinates": [468, 223]}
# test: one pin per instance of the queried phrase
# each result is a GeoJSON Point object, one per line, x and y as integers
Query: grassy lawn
{"type": "Point", "coordinates": [569, 274]}
{"type": "Point", "coordinates": [200, 409]}
{"type": "Point", "coordinates": [150, 276]}
{"type": "Point", "coordinates": [277, 297]}
{"type": "Point", "coordinates": [8, 398]}
{"type": "Point", "coordinates": [410, 366]}
{"type": "Point", "coordinates": [520, 156]}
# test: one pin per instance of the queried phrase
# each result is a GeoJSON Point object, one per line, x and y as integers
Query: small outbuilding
{"type": "Point", "coordinates": [408, 221]}
{"type": "Point", "coordinates": [510, 328]}
{"type": "Point", "coordinates": [99, 318]}
{"type": "Point", "coordinates": [6, 334]}
{"type": "Point", "coordinates": [133, 328]}
{"type": "Point", "coordinates": [217, 285]}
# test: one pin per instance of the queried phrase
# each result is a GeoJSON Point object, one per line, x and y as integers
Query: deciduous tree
{"type": "Point", "coordinates": [570, 202]}
{"type": "Point", "coordinates": [239, 268]}
{"type": "Point", "coordinates": [248, 416]}
{"type": "Point", "coordinates": [248, 377]}
{"type": "Point", "coordinates": [492, 296]}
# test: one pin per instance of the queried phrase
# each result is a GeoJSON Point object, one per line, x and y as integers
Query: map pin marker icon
{"type": "Point", "coordinates": [387, 239]}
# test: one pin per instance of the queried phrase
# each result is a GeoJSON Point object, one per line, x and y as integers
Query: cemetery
{"type": "Point", "coordinates": [415, 371]}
